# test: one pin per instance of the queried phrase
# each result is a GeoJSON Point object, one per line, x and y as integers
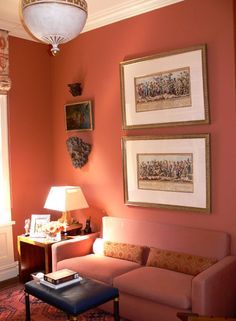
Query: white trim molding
{"type": "Point", "coordinates": [8, 224]}
{"type": "Point", "coordinates": [15, 29]}
{"type": "Point", "coordinates": [9, 271]}
{"type": "Point", "coordinates": [8, 268]}
{"type": "Point", "coordinates": [127, 9]}
{"type": "Point", "coordinates": [98, 18]}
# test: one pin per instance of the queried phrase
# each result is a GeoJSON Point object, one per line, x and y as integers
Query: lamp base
{"type": "Point", "coordinates": [66, 218]}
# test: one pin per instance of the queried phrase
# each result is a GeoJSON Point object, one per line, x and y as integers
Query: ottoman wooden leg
{"type": "Point", "coordinates": [27, 307]}
{"type": "Point", "coordinates": [116, 309]}
{"type": "Point", "coordinates": [72, 318]}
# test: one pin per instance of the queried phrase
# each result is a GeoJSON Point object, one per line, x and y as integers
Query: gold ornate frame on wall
{"type": "Point", "coordinates": [79, 116]}
{"type": "Point", "coordinates": [186, 187]}
{"type": "Point", "coordinates": [165, 89]}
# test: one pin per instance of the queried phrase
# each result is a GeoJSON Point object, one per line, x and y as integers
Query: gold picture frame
{"type": "Point", "coordinates": [166, 89]}
{"type": "Point", "coordinates": [79, 116]}
{"type": "Point", "coordinates": [167, 172]}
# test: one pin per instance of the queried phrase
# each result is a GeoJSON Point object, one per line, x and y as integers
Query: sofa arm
{"type": "Point", "coordinates": [77, 246]}
{"type": "Point", "coordinates": [214, 290]}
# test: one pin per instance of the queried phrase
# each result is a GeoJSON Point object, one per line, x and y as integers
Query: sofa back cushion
{"type": "Point", "coordinates": [124, 251]}
{"type": "Point", "coordinates": [202, 242]}
{"type": "Point", "coordinates": [179, 262]}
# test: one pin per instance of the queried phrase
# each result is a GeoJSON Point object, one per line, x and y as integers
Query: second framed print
{"type": "Point", "coordinates": [165, 89]}
{"type": "Point", "coordinates": [171, 171]}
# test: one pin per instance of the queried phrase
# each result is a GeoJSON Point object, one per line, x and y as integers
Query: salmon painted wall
{"type": "Point", "coordinates": [93, 59]}
{"type": "Point", "coordinates": [39, 157]}
{"type": "Point", "coordinates": [30, 129]}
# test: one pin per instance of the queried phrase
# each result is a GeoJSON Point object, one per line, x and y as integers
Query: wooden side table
{"type": "Point", "coordinates": [35, 254]}
{"type": "Point", "coordinates": [74, 229]}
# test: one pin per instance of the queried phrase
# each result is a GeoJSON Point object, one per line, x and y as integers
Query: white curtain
{"type": "Point", "coordinates": [5, 85]}
{"type": "Point", "coordinates": [5, 201]}
{"type": "Point", "coordinates": [8, 268]}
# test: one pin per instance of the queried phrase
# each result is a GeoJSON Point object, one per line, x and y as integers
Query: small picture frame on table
{"type": "Point", "coordinates": [37, 223]}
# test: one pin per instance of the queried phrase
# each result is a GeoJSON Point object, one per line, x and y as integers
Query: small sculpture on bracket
{"type": "Point", "coordinates": [78, 150]}
{"type": "Point", "coordinates": [75, 89]}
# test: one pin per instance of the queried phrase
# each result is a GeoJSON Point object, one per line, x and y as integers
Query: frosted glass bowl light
{"type": "Point", "coordinates": [54, 22]}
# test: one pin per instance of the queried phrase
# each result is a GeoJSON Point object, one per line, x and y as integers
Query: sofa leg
{"type": "Point", "coordinates": [116, 309]}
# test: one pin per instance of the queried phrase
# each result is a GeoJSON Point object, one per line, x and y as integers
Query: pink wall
{"type": "Point", "coordinates": [30, 125]}
{"type": "Point", "coordinates": [93, 59]}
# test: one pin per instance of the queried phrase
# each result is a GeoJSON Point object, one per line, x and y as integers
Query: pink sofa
{"type": "Point", "coordinates": [152, 293]}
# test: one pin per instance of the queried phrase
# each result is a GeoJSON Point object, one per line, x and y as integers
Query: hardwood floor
{"type": "Point", "coordinates": [10, 282]}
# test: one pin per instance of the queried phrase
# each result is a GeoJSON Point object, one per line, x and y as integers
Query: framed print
{"type": "Point", "coordinates": [170, 172]}
{"type": "Point", "coordinates": [37, 223]}
{"type": "Point", "coordinates": [79, 116]}
{"type": "Point", "coordinates": [165, 89]}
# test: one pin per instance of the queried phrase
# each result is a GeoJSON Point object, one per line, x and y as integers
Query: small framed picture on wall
{"type": "Point", "coordinates": [79, 116]}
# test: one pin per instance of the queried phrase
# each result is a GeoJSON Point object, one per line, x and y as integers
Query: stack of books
{"type": "Point", "coordinates": [60, 278]}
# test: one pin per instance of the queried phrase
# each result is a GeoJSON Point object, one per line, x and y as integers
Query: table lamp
{"type": "Point", "coordinates": [65, 199]}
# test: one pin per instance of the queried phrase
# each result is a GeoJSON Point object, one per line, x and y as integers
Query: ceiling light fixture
{"type": "Point", "coordinates": [54, 21]}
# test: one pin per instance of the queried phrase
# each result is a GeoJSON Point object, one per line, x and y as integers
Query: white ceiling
{"type": "Point", "coordinates": [100, 13]}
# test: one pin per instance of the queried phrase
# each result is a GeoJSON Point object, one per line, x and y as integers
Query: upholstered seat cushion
{"type": "Point", "coordinates": [159, 285]}
{"type": "Point", "coordinates": [97, 267]}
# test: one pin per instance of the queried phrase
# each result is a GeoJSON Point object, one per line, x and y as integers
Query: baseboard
{"type": "Point", "coordinates": [9, 271]}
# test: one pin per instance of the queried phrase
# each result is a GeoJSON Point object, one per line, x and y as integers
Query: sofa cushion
{"type": "Point", "coordinates": [124, 251]}
{"type": "Point", "coordinates": [185, 239]}
{"type": "Point", "coordinates": [98, 246]}
{"type": "Point", "coordinates": [101, 268]}
{"type": "Point", "coordinates": [179, 262]}
{"type": "Point", "coordinates": [158, 285]}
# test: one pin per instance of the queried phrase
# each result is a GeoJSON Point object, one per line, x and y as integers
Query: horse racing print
{"type": "Point", "coordinates": [165, 89]}
{"type": "Point", "coordinates": [170, 89]}
{"type": "Point", "coordinates": [167, 171]}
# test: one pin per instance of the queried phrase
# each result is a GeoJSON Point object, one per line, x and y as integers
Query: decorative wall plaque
{"type": "Point", "coordinates": [78, 150]}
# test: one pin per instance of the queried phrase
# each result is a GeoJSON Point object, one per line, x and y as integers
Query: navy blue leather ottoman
{"type": "Point", "coordinates": [73, 299]}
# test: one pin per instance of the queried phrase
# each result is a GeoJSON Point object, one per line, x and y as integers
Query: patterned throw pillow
{"type": "Point", "coordinates": [179, 262]}
{"type": "Point", "coordinates": [124, 251]}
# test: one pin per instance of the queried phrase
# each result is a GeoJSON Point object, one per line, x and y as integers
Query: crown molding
{"type": "Point", "coordinates": [15, 29]}
{"type": "Point", "coordinates": [127, 9]}
{"type": "Point", "coordinates": [123, 11]}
